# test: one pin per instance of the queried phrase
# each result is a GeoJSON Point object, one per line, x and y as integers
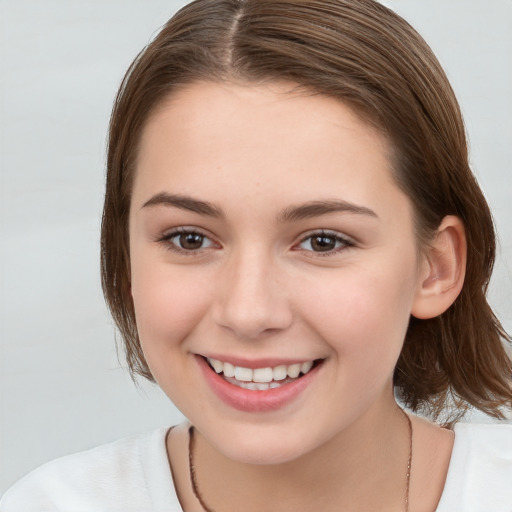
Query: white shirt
{"type": "Point", "coordinates": [480, 473]}
{"type": "Point", "coordinates": [129, 475]}
{"type": "Point", "coordinates": [133, 475]}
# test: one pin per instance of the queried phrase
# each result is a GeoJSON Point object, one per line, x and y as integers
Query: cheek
{"type": "Point", "coordinates": [168, 302]}
{"type": "Point", "coordinates": [363, 313]}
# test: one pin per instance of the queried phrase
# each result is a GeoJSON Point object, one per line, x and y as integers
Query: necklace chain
{"type": "Point", "coordinates": [198, 495]}
{"type": "Point", "coordinates": [192, 469]}
{"type": "Point", "coordinates": [409, 463]}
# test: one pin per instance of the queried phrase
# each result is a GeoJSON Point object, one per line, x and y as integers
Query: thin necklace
{"type": "Point", "coordinates": [409, 462]}
{"type": "Point", "coordinates": [198, 495]}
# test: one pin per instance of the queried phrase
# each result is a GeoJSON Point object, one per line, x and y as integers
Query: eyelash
{"type": "Point", "coordinates": [344, 242]}
{"type": "Point", "coordinates": [166, 240]}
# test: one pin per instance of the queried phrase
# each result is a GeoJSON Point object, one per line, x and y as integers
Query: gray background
{"type": "Point", "coordinates": [62, 388]}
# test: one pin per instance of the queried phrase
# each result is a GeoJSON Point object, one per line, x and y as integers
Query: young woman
{"type": "Point", "coordinates": [291, 236]}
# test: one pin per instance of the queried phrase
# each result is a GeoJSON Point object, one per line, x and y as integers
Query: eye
{"type": "Point", "coordinates": [186, 240]}
{"type": "Point", "coordinates": [324, 243]}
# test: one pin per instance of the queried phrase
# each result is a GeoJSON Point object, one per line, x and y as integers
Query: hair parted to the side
{"type": "Point", "coordinates": [367, 56]}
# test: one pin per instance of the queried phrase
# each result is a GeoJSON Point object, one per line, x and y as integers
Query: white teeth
{"type": "Point", "coordinates": [280, 372]}
{"type": "Point", "coordinates": [244, 374]}
{"type": "Point", "coordinates": [263, 375]}
{"type": "Point", "coordinates": [228, 369]}
{"type": "Point", "coordinates": [254, 386]}
{"type": "Point", "coordinates": [293, 370]}
{"type": "Point", "coordinates": [305, 367]}
{"type": "Point", "coordinates": [218, 366]}
{"type": "Point", "coordinates": [260, 378]}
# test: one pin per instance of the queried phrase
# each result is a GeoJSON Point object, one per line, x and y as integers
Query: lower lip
{"type": "Point", "coordinates": [255, 401]}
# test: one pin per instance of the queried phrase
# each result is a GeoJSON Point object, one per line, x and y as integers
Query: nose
{"type": "Point", "coordinates": [252, 297]}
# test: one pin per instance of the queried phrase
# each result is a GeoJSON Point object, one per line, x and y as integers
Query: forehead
{"type": "Point", "coordinates": [202, 108]}
{"type": "Point", "coordinates": [230, 142]}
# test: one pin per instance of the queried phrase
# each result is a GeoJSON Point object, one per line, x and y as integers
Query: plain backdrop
{"type": "Point", "coordinates": [62, 388]}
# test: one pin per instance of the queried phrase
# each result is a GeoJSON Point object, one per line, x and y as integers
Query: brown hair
{"type": "Point", "coordinates": [364, 54]}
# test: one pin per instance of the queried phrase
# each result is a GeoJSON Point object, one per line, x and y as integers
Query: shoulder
{"type": "Point", "coordinates": [110, 477]}
{"type": "Point", "coordinates": [480, 473]}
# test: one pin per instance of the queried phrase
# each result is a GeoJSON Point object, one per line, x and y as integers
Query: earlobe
{"type": "Point", "coordinates": [444, 268]}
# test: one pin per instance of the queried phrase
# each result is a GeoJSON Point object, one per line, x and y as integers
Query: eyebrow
{"type": "Point", "coordinates": [318, 208]}
{"type": "Point", "coordinates": [291, 214]}
{"type": "Point", "coordinates": [185, 203]}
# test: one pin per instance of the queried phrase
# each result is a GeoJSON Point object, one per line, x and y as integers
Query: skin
{"type": "Point", "coordinates": [257, 288]}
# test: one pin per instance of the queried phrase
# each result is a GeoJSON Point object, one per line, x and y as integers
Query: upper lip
{"type": "Point", "coordinates": [266, 362]}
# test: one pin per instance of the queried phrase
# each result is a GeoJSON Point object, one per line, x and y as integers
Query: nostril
{"type": "Point", "coordinates": [249, 301]}
{"type": "Point", "coordinates": [252, 322]}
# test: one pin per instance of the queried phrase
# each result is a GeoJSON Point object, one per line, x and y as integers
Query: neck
{"type": "Point", "coordinates": [362, 467]}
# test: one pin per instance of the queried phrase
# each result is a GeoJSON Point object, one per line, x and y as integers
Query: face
{"type": "Point", "coordinates": [274, 266]}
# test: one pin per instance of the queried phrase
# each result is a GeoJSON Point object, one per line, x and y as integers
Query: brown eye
{"type": "Point", "coordinates": [191, 241]}
{"type": "Point", "coordinates": [324, 243]}
{"type": "Point", "coordinates": [186, 241]}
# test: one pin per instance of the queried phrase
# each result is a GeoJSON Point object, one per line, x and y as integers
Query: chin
{"type": "Point", "coordinates": [260, 445]}
{"type": "Point", "coordinates": [263, 455]}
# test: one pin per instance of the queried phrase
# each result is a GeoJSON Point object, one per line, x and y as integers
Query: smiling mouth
{"type": "Point", "coordinates": [261, 379]}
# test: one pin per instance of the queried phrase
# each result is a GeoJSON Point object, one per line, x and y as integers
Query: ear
{"type": "Point", "coordinates": [443, 270]}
